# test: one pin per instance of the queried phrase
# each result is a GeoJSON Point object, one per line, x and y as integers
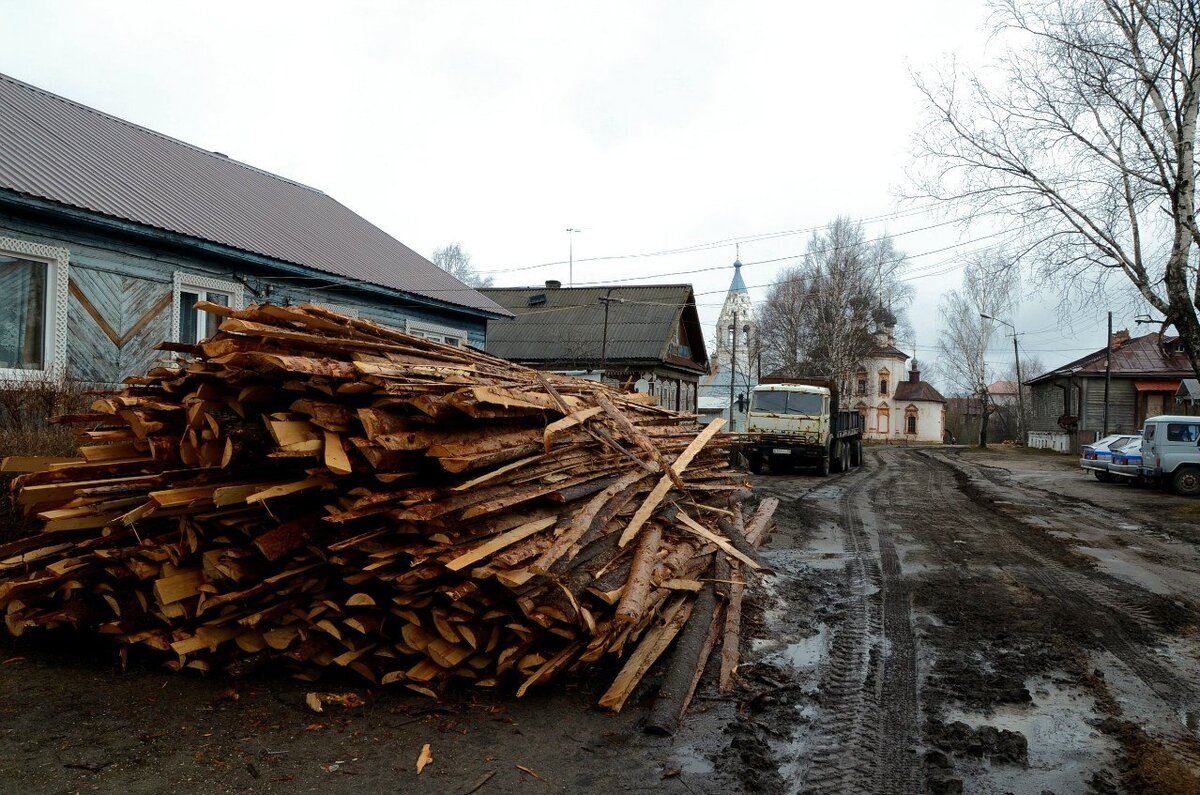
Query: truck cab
{"type": "Point", "coordinates": [797, 422]}
{"type": "Point", "coordinates": [1171, 452]}
{"type": "Point", "coordinates": [796, 410]}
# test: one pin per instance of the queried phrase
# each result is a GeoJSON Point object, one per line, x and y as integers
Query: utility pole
{"type": "Point", "coordinates": [733, 371]}
{"type": "Point", "coordinates": [606, 300]}
{"type": "Point", "coordinates": [1107, 371]}
{"type": "Point", "coordinates": [1020, 392]}
{"type": "Point", "coordinates": [571, 256]}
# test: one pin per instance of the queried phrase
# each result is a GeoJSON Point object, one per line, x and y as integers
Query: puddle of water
{"type": "Point", "coordinates": [692, 761]}
{"type": "Point", "coordinates": [1191, 721]}
{"type": "Point", "coordinates": [804, 654]}
{"type": "Point", "coordinates": [1063, 746]}
{"type": "Point", "coordinates": [1118, 564]}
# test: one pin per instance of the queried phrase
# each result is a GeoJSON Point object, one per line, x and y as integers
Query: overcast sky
{"type": "Point", "coordinates": [651, 126]}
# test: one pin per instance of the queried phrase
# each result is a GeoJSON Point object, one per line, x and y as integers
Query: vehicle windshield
{"type": "Point", "coordinates": [783, 402]}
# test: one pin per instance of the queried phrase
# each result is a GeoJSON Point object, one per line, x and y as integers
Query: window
{"type": "Point", "coordinates": [861, 382]}
{"type": "Point", "coordinates": [1182, 432]}
{"type": "Point", "coordinates": [1149, 434]}
{"type": "Point", "coordinates": [910, 419]}
{"type": "Point", "coordinates": [783, 402]}
{"type": "Point", "coordinates": [883, 386]}
{"type": "Point", "coordinates": [883, 420]}
{"type": "Point", "coordinates": [191, 324]}
{"type": "Point", "coordinates": [436, 333]}
{"type": "Point", "coordinates": [33, 281]}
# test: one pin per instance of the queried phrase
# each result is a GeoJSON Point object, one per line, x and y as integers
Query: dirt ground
{"type": "Point", "coordinates": [941, 620]}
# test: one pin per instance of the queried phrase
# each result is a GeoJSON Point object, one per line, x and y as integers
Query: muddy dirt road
{"type": "Point", "coordinates": [940, 621]}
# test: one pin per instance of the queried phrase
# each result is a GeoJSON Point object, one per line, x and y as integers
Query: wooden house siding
{"type": "Point", "coordinates": [1123, 404]}
{"type": "Point", "coordinates": [1047, 406]}
{"type": "Point", "coordinates": [121, 294]}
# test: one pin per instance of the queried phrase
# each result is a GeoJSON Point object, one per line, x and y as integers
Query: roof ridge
{"type": "Point", "coordinates": [208, 152]}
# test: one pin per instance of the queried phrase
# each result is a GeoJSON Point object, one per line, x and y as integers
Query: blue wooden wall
{"type": "Point", "coordinates": [121, 293]}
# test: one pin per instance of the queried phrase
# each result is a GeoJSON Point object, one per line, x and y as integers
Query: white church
{"type": "Point", "coordinates": [895, 404]}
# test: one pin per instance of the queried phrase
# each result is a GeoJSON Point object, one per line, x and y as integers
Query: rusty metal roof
{"type": "Point", "coordinates": [565, 325]}
{"type": "Point", "coordinates": [917, 390]}
{"type": "Point", "coordinates": [56, 149]}
{"type": "Point", "coordinates": [1139, 356]}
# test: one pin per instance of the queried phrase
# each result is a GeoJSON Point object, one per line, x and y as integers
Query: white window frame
{"type": "Point", "coordinates": [189, 281]}
{"type": "Point", "coordinates": [54, 324]}
{"type": "Point", "coordinates": [423, 329]}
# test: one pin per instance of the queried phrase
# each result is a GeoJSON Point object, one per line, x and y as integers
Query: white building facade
{"type": "Point", "coordinates": [895, 404]}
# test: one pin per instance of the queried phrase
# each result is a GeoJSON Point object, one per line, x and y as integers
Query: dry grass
{"type": "Point", "coordinates": [26, 407]}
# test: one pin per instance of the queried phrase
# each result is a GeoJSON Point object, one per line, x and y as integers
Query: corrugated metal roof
{"type": "Point", "coordinates": [59, 150]}
{"type": "Point", "coordinates": [566, 324]}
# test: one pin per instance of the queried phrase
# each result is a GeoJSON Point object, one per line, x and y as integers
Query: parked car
{"type": "Point", "coordinates": [1170, 454]}
{"type": "Point", "coordinates": [1097, 456]}
{"type": "Point", "coordinates": [1127, 461]}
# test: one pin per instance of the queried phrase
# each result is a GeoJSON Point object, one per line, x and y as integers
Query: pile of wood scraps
{"type": "Point", "coordinates": [318, 490]}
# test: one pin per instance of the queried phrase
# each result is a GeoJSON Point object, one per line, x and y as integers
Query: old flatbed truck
{"type": "Point", "coordinates": [800, 422]}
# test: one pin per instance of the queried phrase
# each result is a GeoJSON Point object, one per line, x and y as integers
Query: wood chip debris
{"type": "Point", "coordinates": [317, 491]}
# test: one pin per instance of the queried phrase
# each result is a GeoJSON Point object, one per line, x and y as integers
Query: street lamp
{"type": "Point", "coordinates": [1020, 387]}
{"type": "Point", "coordinates": [571, 256]}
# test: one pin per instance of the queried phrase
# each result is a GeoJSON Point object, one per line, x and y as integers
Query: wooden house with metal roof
{"type": "Point", "coordinates": [646, 336]}
{"type": "Point", "coordinates": [110, 233]}
{"type": "Point", "coordinates": [1067, 403]}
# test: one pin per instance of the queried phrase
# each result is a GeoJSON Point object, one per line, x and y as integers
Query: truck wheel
{"type": "Point", "coordinates": [856, 453]}
{"type": "Point", "coordinates": [823, 465]}
{"type": "Point", "coordinates": [837, 463]}
{"type": "Point", "coordinates": [756, 464]}
{"type": "Point", "coordinates": [1186, 481]}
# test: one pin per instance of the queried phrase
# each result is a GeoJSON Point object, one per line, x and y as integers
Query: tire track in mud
{"type": "Point", "coordinates": [898, 693]}
{"type": "Point", "coordinates": [864, 739]}
{"type": "Point", "coordinates": [1103, 599]}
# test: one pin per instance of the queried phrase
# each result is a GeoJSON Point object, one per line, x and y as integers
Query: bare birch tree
{"type": "Point", "coordinates": [1084, 146]}
{"type": "Point", "coordinates": [457, 262]}
{"type": "Point", "coordinates": [966, 335]}
{"type": "Point", "coordinates": [818, 317]}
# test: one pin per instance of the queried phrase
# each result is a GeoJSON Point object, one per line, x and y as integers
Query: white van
{"type": "Point", "coordinates": [1171, 452]}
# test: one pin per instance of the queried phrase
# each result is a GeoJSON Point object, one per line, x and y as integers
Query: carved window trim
{"type": "Point", "coordinates": [183, 280]}
{"type": "Point", "coordinates": [58, 275]}
{"type": "Point", "coordinates": [436, 331]}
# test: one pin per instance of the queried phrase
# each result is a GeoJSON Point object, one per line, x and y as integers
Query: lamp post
{"type": "Point", "coordinates": [571, 256]}
{"type": "Point", "coordinates": [1020, 389]}
{"type": "Point", "coordinates": [606, 300]}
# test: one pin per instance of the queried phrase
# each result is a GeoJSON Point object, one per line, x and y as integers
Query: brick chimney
{"type": "Point", "coordinates": [1119, 338]}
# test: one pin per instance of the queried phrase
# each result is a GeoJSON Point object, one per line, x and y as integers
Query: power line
{"type": "Point", "coordinates": [726, 242]}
